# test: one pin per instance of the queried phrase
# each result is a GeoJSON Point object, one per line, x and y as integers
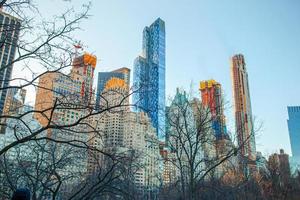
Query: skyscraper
{"type": "Point", "coordinates": [280, 163]}
{"type": "Point", "coordinates": [294, 131]}
{"type": "Point", "coordinates": [211, 95]}
{"type": "Point", "coordinates": [123, 132]}
{"type": "Point", "coordinates": [73, 93]}
{"type": "Point", "coordinates": [149, 76]}
{"type": "Point", "coordinates": [74, 88]}
{"type": "Point", "coordinates": [242, 110]}
{"type": "Point", "coordinates": [83, 72]}
{"type": "Point", "coordinates": [9, 33]}
{"type": "Point", "coordinates": [103, 77]}
{"type": "Point", "coordinates": [14, 105]}
{"type": "Point", "coordinates": [14, 102]}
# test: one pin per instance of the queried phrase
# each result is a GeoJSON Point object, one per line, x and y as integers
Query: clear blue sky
{"type": "Point", "coordinates": [201, 36]}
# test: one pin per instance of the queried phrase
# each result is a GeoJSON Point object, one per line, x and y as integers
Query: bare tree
{"type": "Point", "coordinates": [201, 160]}
{"type": "Point", "coordinates": [59, 150]}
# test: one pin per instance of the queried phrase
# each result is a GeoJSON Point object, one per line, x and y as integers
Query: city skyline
{"type": "Point", "coordinates": [190, 105]}
{"type": "Point", "coordinates": [216, 43]}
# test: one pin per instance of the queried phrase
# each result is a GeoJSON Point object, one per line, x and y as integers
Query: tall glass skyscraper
{"type": "Point", "coordinates": [294, 131]}
{"type": "Point", "coordinates": [149, 76]}
{"type": "Point", "coordinates": [9, 33]}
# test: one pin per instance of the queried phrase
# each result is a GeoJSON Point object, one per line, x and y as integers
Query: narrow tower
{"type": "Point", "coordinates": [9, 33]}
{"type": "Point", "coordinates": [83, 72]}
{"type": "Point", "coordinates": [243, 112]}
{"type": "Point", "coordinates": [149, 76]}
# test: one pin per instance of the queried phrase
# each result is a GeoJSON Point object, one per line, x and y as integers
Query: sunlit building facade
{"type": "Point", "coordinates": [74, 88]}
{"type": "Point", "coordinates": [149, 76]}
{"type": "Point", "coordinates": [243, 113]}
{"type": "Point", "coordinates": [64, 99]}
{"type": "Point", "coordinates": [182, 134]}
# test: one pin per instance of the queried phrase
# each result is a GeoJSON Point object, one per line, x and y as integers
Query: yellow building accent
{"type": "Point", "coordinates": [89, 59]}
{"type": "Point", "coordinates": [207, 84]}
{"type": "Point", "coordinates": [115, 83]}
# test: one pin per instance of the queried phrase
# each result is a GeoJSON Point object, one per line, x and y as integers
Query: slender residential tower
{"type": "Point", "coordinates": [243, 112]}
{"type": "Point", "coordinates": [9, 33]}
{"type": "Point", "coordinates": [149, 76]}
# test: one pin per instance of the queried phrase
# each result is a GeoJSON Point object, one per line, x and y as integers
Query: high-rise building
{"type": "Point", "coordinates": [124, 133]}
{"type": "Point", "coordinates": [149, 76]}
{"type": "Point", "coordinates": [201, 117]}
{"type": "Point", "coordinates": [64, 99]}
{"type": "Point", "coordinates": [183, 134]}
{"type": "Point", "coordinates": [74, 88]}
{"type": "Point", "coordinates": [14, 102]}
{"type": "Point", "coordinates": [9, 33]}
{"type": "Point", "coordinates": [279, 164]}
{"type": "Point", "coordinates": [211, 95]}
{"type": "Point", "coordinates": [242, 110]}
{"type": "Point", "coordinates": [83, 71]}
{"type": "Point", "coordinates": [294, 131]}
{"type": "Point", "coordinates": [103, 77]}
{"type": "Point", "coordinates": [170, 171]}
{"type": "Point", "coordinates": [115, 94]}
{"type": "Point", "coordinates": [262, 163]}
{"type": "Point", "coordinates": [14, 105]}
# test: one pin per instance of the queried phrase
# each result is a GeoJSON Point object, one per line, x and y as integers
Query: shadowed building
{"type": "Point", "coordinates": [294, 131]}
{"type": "Point", "coordinates": [279, 164]}
{"type": "Point", "coordinates": [9, 33]}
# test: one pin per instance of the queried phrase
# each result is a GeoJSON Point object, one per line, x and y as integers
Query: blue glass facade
{"type": "Point", "coordinates": [9, 32]}
{"type": "Point", "coordinates": [294, 130]}
{"type": "Point", "coordinates": [149, 76]}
